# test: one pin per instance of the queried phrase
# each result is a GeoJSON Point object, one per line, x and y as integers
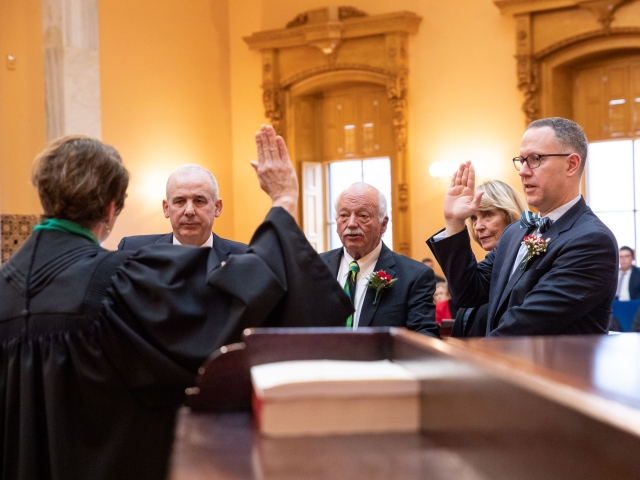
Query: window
{"type": "Point", "coordinates": [613, 187]}
{"type": "Point", "coordinates": [607, 105]}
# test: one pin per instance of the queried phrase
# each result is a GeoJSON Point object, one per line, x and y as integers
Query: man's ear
{"type": "Point", "coordinates": [218, 209]}
{"type": "Point", "coordinates": [384, 225]}
{"type": "Point", "coordinates": [165, 208]}
{"type": "Point", "coordinates": [573, 164]}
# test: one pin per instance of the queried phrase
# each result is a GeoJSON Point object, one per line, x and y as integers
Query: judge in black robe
{"type": "Point", "coordinates": [98, 347]}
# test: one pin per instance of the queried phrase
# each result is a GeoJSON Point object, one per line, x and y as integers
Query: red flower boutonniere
{"type": "Point", "coordinates": [379, 281]}
{"type": "Point", "coordinates": [535, 246]}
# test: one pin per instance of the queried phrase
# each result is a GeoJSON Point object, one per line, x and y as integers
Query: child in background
{"type": "Point", "coordinates": [445, 308]}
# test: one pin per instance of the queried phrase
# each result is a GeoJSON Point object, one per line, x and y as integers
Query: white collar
{"type": "Point", "coordinates": [363, 262]}
{"type": "Point", "coordinates": [558, 212]}
{"type": "Point", "coordinates": [208, 243]}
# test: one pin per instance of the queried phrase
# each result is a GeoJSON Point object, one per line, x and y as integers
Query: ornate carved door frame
{"type": "Point", "coordinates": [336, 44]}
{"type": "Point", "coordinates": [546, 51]}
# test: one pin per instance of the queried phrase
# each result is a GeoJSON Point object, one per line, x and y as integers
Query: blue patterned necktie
{"type": "Point", "coordinates": [530, 220]}
{"type": "Point", "coordinates": [350, 287]}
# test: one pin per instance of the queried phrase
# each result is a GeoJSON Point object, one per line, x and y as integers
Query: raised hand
{"type": "Point", "coordinates": [275, 172]}
{"type": "Point", "coordinates": [461, 201]}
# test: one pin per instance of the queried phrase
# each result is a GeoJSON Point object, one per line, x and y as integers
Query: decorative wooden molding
{"type": "Point", "coordinates": [603, 10]}
{"type": "Point", "coordinates": [333, 67]}
{"type": "Point", "coordinates": [350, 41]}
{"type": "Point", "coordinates": [325, 29]}
{"type": "Point", "coordinates": [326, 23]}
{"type": "Point", "coordinates": [527, 68]}
{"type": "Point", "coordinates": [529, 85]}
{"type": "Point", "coordinates": [567, 42]}
{"type": "Point", "coordinates": [530, 61]}
{"type": "Point", "coordinates": [15, 231]}
{"type": "Point", "coordinates": [344, 13]}
{"type": "Point", "coordinates": [517, 7]}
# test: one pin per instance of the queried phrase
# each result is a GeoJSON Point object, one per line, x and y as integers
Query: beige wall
{"type": "Point", "coordinates": [463, 99]}
{"type": "Point", "coordinates": [179, 85]}
{"type": "Point", "coordinates": [164, 73]}
{"type": "Point", "coordinates": [22, 114]}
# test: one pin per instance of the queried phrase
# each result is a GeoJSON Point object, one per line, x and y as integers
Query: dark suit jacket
{"type": "Point", "coordinates": [470, 322]}
{"type": "Point", "coordinates": [566, 290]}
{"type": "Point", "coordinates": [222, 246]}
{"type": "Point", "coordinates": [128, 344]}
{"type": "Point", "coordinates": [408, 303]}
{"type": "Point", "coordinates": [634, 283]}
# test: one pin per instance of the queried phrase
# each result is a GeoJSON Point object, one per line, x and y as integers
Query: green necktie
{"type": "Point", "coordinates": [350, 287]}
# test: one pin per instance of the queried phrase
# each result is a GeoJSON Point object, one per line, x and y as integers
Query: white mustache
{"type": "Point", "coordinates": [353, 231]}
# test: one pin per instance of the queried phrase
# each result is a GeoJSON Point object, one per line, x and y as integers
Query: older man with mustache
{"type": "Point", "coordinates": [386, 288]}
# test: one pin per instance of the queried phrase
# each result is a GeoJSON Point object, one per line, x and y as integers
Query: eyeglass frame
{"type": "Point", "coordinates": [522, 160]}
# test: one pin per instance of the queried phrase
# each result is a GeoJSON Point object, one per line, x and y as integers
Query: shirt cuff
{"type": "Point", "coordinates": [439, 236]}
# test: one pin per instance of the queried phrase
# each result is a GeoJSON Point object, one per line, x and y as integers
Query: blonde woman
{"type": "Point", "coordinates": [500, 206]}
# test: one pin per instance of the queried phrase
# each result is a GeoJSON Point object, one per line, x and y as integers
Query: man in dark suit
{"type": "Point", "coordinates": [628, 276]}
{"type": "Point", "coordinates": [192, 204]}
{"type": "Point", "coordinates": [569, 285]}
{"type": "Point", "coordinates": [361, 215]}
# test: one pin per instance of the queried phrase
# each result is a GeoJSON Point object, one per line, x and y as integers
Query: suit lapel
{"type": "Point", "coordinates": [220, 246]}
{"type": "Point", "coordinates": [168, 238]}
{"type": "Point", "coordinates": [332, 260]}
{"type": "Point", "coordinates": [506, 281]}
{"type": "Point", "coordinates": [385, 262]}
{"type": "Point", "coordinates": [504, 275]}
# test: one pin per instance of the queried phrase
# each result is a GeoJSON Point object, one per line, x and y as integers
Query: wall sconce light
{"type": "Point", "coordinates": [444, 170]}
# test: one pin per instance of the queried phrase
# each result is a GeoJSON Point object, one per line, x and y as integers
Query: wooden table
{"type": "Point", "coordinates": [530, 408]}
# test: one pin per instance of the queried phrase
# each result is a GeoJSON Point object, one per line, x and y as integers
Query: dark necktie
{"type": "Point", "coordinates": [530, 220]}
{"type": "Point", "coordinates": [350, 287]}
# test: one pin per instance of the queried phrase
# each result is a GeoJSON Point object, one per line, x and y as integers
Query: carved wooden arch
{"type": "Point", "coordinates": [338, 44]}
{"type": "Point", "coordinates": [563, 55]}
{"type": "Point", "coordinates": [540, 62]}
{"type": "Point", "coordinates": [326, 75]}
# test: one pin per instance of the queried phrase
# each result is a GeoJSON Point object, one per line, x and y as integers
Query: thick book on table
{"type": "Point", "coordinates": [328, 397]}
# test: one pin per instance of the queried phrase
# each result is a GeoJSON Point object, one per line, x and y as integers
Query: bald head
{"type": "Point", "coordinates": [192, 204]}
{"type": "Point", "coordinates": [361, 217]}
{"type": "Point", "coordinates": [191, 170]}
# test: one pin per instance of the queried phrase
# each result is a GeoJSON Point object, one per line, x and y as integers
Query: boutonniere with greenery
{"type": "Point", "coordinates": [535, 246]}
{"type": "Point", "coordinates": [379, 281]}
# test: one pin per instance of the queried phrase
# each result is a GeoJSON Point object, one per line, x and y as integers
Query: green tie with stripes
{"type": "Point", "coordinates": [350, 287]}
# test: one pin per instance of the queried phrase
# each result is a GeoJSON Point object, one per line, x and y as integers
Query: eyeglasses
{"type": "Point", "coordinates": [533, 160]}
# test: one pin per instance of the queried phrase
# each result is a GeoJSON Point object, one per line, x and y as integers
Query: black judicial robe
{"type": "Point", "coordinates": [93, 366]}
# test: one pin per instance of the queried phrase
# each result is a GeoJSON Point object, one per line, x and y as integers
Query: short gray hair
{"type": "Point", "coordinates": [192, 167]}
{"type": "Point", "coordinates": [382, 206]}
{"type": "Point", "coordinates": [568, 133]}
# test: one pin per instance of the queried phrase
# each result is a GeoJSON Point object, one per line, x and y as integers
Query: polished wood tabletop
{"type": "Point", "coordinates": [225, 446]}
{"type": "Point", "coordinates": [519, 408]}
{"type": "Point", "coordinates": [606, 365]}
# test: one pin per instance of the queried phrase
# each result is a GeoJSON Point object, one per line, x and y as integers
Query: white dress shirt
{"type": "Point", "coordinates": [623, 285]}
{"type": "Point", "coordinates": [366, 264]}
{"type": "Point", "coordinates": [208, 243]}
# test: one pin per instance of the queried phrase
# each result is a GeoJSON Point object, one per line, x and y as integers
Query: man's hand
{"type": "Point", "coordinates": [461, 201]}
{"type": "Point", "coordinates": [275, 172]}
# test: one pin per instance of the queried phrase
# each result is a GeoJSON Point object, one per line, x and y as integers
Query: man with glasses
{"type": "Point", "coordinates": [551, 274]}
